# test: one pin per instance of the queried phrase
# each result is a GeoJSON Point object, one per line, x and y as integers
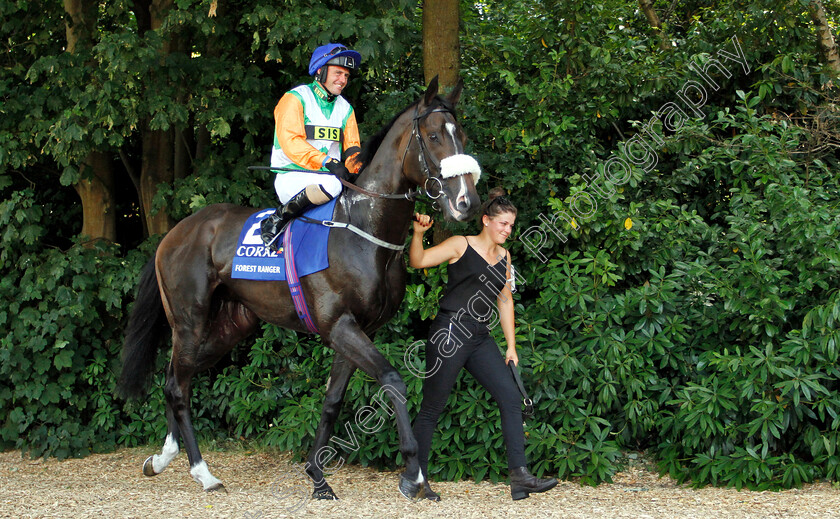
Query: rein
{"type": "Point", "coordinates": [352, 228]}
{"type": "Point", "coordinates": [411, 195]}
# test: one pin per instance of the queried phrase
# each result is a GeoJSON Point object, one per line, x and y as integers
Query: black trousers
{"type": "Point", "coordinates": [453, 345]}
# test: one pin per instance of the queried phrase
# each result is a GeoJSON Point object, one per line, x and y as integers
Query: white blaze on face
{"type": "Point", "coordinates": [459, 166]}
{"type": "Point", "coordinates": [450, 129]}
{"type": "Point", "coordinates": [462, 190]}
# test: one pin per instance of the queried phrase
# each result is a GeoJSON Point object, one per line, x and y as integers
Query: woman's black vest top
{"type": "Point", "coordinates": [473, 285]}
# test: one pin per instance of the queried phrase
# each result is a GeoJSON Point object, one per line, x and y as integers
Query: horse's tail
{"type": "Point", "coordinates": [146, 332]}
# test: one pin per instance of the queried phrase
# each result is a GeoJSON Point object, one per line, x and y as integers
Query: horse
{"type": "Point", "coordinates": [186, 289]}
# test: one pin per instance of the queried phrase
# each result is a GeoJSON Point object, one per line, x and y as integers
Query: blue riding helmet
{"type": "Point", "coordinates": [334, 54]}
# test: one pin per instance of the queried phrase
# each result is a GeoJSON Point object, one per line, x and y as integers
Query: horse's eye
{"type": "Point", "coordinates": [433, 137]}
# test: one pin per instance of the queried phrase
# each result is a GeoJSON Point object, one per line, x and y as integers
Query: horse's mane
{"type": "Point", "coordinates": [370, 147]}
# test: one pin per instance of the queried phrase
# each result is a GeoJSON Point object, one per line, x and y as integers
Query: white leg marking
{"type": "Point", "coordinates": [202, 475]}
{"type": "Point", "coordinates": [162, 460]}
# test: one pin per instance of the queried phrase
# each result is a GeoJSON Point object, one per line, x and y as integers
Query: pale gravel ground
{"type": "Point", "coordinates": [112, 485]}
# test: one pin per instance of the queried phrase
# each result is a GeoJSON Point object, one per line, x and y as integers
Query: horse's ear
{"type": "Point", "coordinates": [455, 94]}
{"type": "Point", "coordinates": [431, 91]}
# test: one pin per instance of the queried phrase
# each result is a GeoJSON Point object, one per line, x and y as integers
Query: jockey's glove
{"type": "Point", "coordinates": [338, 169]}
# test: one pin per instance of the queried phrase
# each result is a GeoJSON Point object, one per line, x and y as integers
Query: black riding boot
{"type": "Point", "coordinates": [522, 483]}
{"type": "Point", "coordinates": [273, 225]}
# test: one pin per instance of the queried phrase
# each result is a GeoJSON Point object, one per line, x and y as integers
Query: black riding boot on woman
{"type": "Point", "coordinates": [522, 483]}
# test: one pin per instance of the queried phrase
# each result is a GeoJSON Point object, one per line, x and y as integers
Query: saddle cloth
{"type": "Point", "coordinates": [253, 260]}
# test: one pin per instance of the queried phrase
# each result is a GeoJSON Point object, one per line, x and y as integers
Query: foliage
{"type": "Point", "coordinates": [61, 332]}
{"type": "Point", "coordinates": [692, 314]}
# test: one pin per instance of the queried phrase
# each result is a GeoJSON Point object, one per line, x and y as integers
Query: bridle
{"type": "Point", "coordinates": [424, 151]}
{"type": "Point", "coordinates": [425, 157]}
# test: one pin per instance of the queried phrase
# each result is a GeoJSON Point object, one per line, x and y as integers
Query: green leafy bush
{"type": "Point", "coordinates": [60, 334]}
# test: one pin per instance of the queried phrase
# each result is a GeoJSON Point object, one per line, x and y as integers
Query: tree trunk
{"type": "Point", "coordinates": [656, 24]}
{"type": "Point", "coordinates": [182, 137]}
{"type": "Point", "coordinates": [202, 143]}
{"type": "Point", "coordinates": [826, 42]}
{"type": "Point", "coordinates": [157, 168]}
{"type": "Point", "coordinates": [441, 57]}
{"type": "Point", "coordinates": [441, 46]}
{"type": "Point", "coordinates": [96, 187]}
{"type": "Point", "coordinates": [77, 24]}
{"type": "Point", "coordinates": [158, 157]}
{"type": "Point", "coordinates": [97, 194]}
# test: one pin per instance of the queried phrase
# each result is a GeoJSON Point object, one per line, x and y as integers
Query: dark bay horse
{"type": "Point", "coordinates": [187, 287]}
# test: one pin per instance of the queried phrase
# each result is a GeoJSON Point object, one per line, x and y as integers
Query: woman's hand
{"type": "Point", "coordinates": [512, 356]}
{"type": "Point", "coordinates": [422, 223]}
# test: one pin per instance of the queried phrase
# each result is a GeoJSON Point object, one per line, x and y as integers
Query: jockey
{"type": "Point", "coordinates": [314, 127]}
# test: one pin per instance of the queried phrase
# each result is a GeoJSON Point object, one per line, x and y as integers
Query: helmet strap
{"type": "Point", "coordinates": [321, 78]}
{"type": "Point", "coordinates": [322, 74]}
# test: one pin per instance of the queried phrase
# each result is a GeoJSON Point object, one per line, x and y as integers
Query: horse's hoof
{"type": "Point", "coordinates": [218, 487]}
{"type": "Point", "coordinates": [148, 467]}
{"type": "Point", "coordinates": [326, 493]}
{"type": "Point", "coordinates": [410, 489]}
{"type": "Point", "coordinates": [430, 494]}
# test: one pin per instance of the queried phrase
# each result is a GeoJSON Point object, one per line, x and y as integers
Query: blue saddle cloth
{"type": "Point", "coordinates": [253, 260]}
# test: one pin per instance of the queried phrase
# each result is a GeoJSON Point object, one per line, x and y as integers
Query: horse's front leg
{"type": "Point", "coordinates": [340, 375]}
{"type": "Point", "coordinates": [348, 339]}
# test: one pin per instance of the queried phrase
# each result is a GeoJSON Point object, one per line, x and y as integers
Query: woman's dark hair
{"type": "Point", "coordinates": [497, 203]}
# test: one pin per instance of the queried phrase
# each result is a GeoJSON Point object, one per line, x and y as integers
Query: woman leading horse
{"type": "Point", "coordinates": [188, 287]}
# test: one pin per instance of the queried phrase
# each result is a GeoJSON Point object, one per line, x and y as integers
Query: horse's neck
{"type": "Point", "coordinates": [384, 173]}
{"type": "Point", "coordinates": [388, 219]}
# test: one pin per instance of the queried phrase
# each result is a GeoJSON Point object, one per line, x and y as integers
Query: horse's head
{"type": "Point", "coordinates": [435, 159]}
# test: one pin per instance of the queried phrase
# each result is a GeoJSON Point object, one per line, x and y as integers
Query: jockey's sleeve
{"type": "Point", "coordinates": [352, 144]}
{"type": "Point", "coordinates": [291, 134]}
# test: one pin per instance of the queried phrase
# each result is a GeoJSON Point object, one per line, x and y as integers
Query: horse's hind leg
{"type": "Point", "coordinates": [198, 341]}
{"type": "Point", "coordinates": [231, 323]}
{"type": "Point", "coordinates": [348, 339]}
{"type": "Point", "coordinates": [340, 374]}
{"type": "Point", "coordinates": [178, 391]}
{"type": "Point", "coordinates": [156, 463]}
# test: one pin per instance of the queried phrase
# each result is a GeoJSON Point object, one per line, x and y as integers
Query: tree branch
{"type": "Point", "coordinates": [647, 8]}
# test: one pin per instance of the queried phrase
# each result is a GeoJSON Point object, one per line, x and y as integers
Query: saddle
{"type": "Point", "coordinates": [253, 260]}
{"type": "Point", "coordinates": [304, 252]}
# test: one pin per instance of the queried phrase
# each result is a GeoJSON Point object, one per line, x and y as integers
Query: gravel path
{"type": "Point", "coordinates": [265, 485]}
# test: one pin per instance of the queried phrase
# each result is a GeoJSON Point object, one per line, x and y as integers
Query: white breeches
{"type": "Point", "coordinates": [289, 184]}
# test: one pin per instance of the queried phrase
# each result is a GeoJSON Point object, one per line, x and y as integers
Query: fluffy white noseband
{"type": "Point", "coordinates": [460, 165]}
